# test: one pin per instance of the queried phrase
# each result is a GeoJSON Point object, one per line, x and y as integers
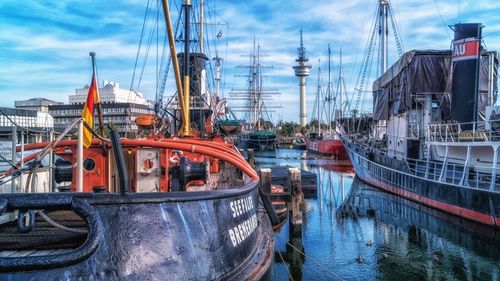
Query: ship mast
{"type": "Point", "coordinates": [175, 63]}
{"type": "Point", "coordinates": [318, 97]}
{"type": "Point", "coordinates": [379, 33]}
{"type": "Point", "coordinates": [200, 39]}
{"type": "Point", "coordinates": [187, 19]}
{"type": "Point", "coordinates": [253, 85]}
{"type": "Point", "coordinates": [340, 85]}
{"type": "Point", "coordinates": [255, 93]}
{"type": "Point", "coordinates": [383, 32]}
{"type": "Point", "coordinates": [329, 91]}
{"type": "Point", "coordinates": [258, 88]}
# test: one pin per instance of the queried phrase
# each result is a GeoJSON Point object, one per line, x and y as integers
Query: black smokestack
{"type": "Point", "coordinates": [465, 61]}
{"type": "Point", "coordinates": [198, 63]}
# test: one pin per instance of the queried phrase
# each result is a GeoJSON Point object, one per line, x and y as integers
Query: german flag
{"type": "Point", "coordinates": [88, 111]}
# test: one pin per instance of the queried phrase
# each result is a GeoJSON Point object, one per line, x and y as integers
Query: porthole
{"type": "Point", "coordinates": [89, 164]}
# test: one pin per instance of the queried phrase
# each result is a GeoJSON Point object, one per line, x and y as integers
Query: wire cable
{"type": "Point", "coordinates": [60, 226]}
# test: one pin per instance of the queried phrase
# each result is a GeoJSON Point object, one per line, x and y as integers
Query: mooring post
{"type": "Point", "coordinates": [265, 180]}
{"type": "Point", "coordinates": [264, 191]}
{"type": "Point", "coordinates": [251, 158]}
{"type": "Point", "coordinates": [296, 205]}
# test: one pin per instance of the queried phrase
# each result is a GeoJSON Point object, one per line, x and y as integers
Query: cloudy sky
{"type": "Point", "coordinates": [45, 44]}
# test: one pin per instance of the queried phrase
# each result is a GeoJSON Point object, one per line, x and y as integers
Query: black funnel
{"type": "Point", "coordinates": [465, 66]}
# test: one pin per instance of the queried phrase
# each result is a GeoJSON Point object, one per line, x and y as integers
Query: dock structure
{"type": "Point", "coordinates": [308, 180]}
{"type": "Point", "coordinates": [296, 205]}
{"type": "Point", "coordinates": [293, 198]}
{"type": "Point", "coordinates": [287, 199]}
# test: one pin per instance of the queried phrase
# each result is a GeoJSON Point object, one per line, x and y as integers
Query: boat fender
{"type": "Point", "coordinates": [268, 206]}
{"type": "Point", "coordinates": [26, 221]}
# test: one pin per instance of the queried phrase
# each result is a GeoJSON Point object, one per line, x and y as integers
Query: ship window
{"type": "Point", "coordinates": [89, 164]}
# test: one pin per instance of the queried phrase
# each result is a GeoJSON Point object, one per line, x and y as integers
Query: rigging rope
{"type": "Point", "coordinates": [140, 45]}
{"type": "Point", "coordinates": [287, 270]}
{"type": "Point", "coordinates": [395, 31]}
{"type": "Point", "coordinates": [22, 127]}
{"type": "Point", "coordinates": [272, 234]}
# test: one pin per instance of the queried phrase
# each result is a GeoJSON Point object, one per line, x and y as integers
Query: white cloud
{"type": "Point", "coordinates": [49, 57]}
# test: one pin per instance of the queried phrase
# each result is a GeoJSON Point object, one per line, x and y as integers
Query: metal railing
{"type": "Point", "coordinates": [464, 132]}
{"type": "Point", "coordinates": [477, 176]}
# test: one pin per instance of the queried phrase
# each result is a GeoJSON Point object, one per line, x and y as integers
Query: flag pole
{"type": "Point", "coordinates": [79, 167]}
{"type": "Point", "coordinates": [99, 110]}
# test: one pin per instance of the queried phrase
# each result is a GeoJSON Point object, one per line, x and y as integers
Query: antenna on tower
{"type": "Point", "coordinates": [302, 70]}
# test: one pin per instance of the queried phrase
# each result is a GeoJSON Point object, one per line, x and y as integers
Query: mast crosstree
{"type": "Point", "coordinates": [255, 95]}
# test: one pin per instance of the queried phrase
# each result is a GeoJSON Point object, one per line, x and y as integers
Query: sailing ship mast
{"type": "Point", "coordinates": [383, 32]}
{"type": "Point", "coordinates": [318, 97]}
{"type": "Point", "coordinates": [253, 85]}
{"type": "Point", "coordinates": [329, 90]}
{"type": "Point", "coordinates": [255, 94]}
{"type": "Point", "coordinates": [341, 85]}
{"type": "Point", "coordinates": [258, 89]}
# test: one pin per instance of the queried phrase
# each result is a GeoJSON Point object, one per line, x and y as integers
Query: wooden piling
{"type": "Point", "coordinates": [264, 192]}
{"type": "Point", "coordinates": [251, 158]}
{"type": "Point", "coordinates": [265, 180]}
{"type": "Point", "coordinates": [296, 205]}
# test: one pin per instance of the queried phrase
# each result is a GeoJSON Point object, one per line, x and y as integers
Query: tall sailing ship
{"type": "Point", "coordinates": [257, 133]}
{"type": "Point", "coordinates": [186, 206]}
{"type": "Point", "coordinates": [328, 142]}
{"type": "Point", "coordinates": [434, 136]}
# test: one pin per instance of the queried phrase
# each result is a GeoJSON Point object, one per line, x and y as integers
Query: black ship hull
{"type": "Point", "coordinates": [213, 235]}
{"type": "Point", "coordinates": [299, 146]}
{"type": "Point", "coordinates": [392, 175]}
{"type": "Point", "coordinates": [257, 140]}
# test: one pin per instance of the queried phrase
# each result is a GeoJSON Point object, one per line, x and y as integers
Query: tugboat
{"type": "Point", "coordinates": [433, 137]}
{"type": "Point", "coordinates": [186, 207]}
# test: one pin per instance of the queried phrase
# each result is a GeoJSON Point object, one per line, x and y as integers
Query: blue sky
{"type": "Point", "coordinates": [45, 44]}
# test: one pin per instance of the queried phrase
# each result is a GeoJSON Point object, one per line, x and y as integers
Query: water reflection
{"type": "Point", "coordinates": [353, 231]}
{"type": "Point", "coordinates": [422, 242]}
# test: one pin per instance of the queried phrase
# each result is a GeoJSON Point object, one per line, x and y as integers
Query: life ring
{"type": "Point", "coordinates": [175, 156]}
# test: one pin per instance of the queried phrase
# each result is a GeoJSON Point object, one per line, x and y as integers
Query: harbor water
{"type": "Point", "coordinates": [353, 231]}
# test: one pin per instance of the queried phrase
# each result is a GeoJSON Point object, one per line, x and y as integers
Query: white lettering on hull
{"type": "Point", "coordinates": [241, 206]}
{"type": "Point", "coordinates": [242, 231]}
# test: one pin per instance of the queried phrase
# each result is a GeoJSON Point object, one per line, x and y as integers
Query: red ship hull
{"type": "Point", "coordinates": [327, 147]}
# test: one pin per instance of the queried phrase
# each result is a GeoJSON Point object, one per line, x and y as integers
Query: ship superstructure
{"type": "Point", "coordinates": [433, 136]}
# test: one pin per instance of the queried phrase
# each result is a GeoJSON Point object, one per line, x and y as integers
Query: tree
{"type": "Point", "coordinates": [287, 129]}
{"type": "Point", "coordinates": [266, 125]}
